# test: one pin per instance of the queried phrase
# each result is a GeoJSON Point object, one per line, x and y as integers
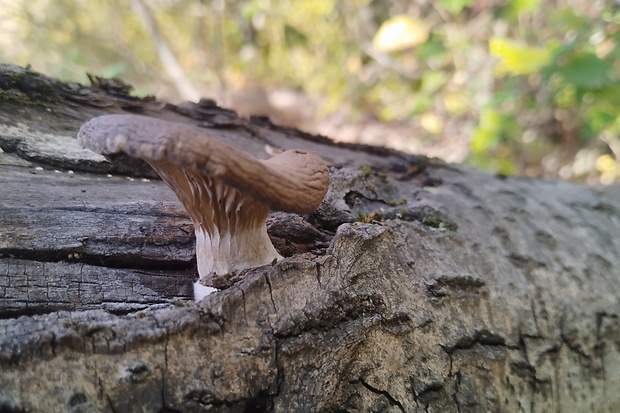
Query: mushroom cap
{"type": "Point", "coordinates": [293, 181]}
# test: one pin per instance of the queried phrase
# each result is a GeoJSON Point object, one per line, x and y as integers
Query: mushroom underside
{"type": "Point", "coordinates": [230, 227]}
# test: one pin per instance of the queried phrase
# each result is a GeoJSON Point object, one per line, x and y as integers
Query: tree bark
{"type": "Point", "coordinates": [417, 286]}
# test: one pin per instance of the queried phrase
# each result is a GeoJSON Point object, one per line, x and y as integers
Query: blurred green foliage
{"type": "Point", "coordinates": [532, 84]}
{"type": "Point", "coordinates": [565, 91]}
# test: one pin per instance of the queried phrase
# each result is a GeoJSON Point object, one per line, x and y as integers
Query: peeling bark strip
{"type": "Point", "coordinates": [454, 292]}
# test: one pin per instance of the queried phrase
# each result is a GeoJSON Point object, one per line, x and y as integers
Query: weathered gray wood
{"type": "Point", "coordinates": [34, 287]}
{"type": "Point", "coordinates": [458, 292]}
{"type": "Point", "coordinates": [93, 216]}
{"type": "Point", "coordinates": [67, 229]}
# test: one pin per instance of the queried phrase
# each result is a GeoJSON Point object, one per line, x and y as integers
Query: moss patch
{"type": "Point", "coordinates": [435, 222]}
{"type": "Point", "coordinates": [370, 217]}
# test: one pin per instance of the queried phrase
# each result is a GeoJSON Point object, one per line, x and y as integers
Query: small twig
{"type": "Point", "coordinates": [172, 66]}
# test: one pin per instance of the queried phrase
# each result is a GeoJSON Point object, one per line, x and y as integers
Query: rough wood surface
{"type": "Point", "coordinates": [454, 291]}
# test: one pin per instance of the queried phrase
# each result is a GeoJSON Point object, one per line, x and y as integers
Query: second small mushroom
{"type": "Point", "coordinates": [226, 192]}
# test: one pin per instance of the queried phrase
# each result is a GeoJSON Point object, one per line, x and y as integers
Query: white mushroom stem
{"type": "Point", "coordinates": [227, 253]}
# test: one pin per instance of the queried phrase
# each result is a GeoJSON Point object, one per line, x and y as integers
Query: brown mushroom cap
{"type": "Point", "coordinates": [293, 181]}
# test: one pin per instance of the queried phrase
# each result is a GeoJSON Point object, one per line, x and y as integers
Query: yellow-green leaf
{"type": "Point", "coordinates": [516, 58]}
{"type": "Point", "coordinates": [519, 7]}
{"type": "Point", "coordinates": [456, 103]}
{"type": "Point", "coordinates": [486, 135]}
{"type": "Point", "coordinates": [401, 32]}
{"type": "Point", "coordinates": [432, 123]}
{"type": "Point", "coordinates": [456, 6]}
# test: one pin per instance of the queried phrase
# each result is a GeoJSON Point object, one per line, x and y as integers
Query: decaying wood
{"type": "Point", "coordinates": [417, 286]}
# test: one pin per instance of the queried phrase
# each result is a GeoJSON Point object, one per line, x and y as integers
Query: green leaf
{"type": "Point", "coordinates": [586, 71]}
{"type": "Point", "coordinates": [114, 70]}
{"type": "Point", "coordinates": [516, 58]}
{"type": "Point", "coordinates": [294, 37]}
{"type": "Point", "coordinates": [566, 19]}
{"type": "Point", "coordinates": [432, 81]}
{"type": "Point", "coordinates": [486, 135]}
{"type": "Point", "coordinates": [505, 166]}
{"type": "Point", "coordinates": [456, 6]}
{"type": "Point", "coordinates": [433, 48]}
{"type": "Point", "coordinates": [519, 7]}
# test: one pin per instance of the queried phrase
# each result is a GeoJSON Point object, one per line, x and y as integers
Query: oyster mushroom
{"type": "Point", "coordinates": [226, 192]}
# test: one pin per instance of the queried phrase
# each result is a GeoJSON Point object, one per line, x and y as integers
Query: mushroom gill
{"type": "Point", "coordinates": [231, 233]}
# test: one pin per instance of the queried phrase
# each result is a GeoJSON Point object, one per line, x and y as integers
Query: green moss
{"type": "Point", "coordinates": [431, 222]}
{"type": "Point", "coordinates": [370, 217]}
{"type": "Point", "coordinates": [394, 202]}
{"type": "Point", "coordinates": [435, 222]}
{"type": "Point", "coordinates": [450, 226]}
{"type": "Point", "coordinates": [21, 99]}
{"type": "Point", "coordinates": [367, 170]}
{"type": "Point", "coordinates": [29, 87]}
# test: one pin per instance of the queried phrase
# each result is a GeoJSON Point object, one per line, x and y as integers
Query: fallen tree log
{"type": "Point", "coordinates": [417, 286]}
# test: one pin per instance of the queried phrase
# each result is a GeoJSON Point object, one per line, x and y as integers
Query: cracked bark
{"type": "Point", "coordinates": [456, 292]}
